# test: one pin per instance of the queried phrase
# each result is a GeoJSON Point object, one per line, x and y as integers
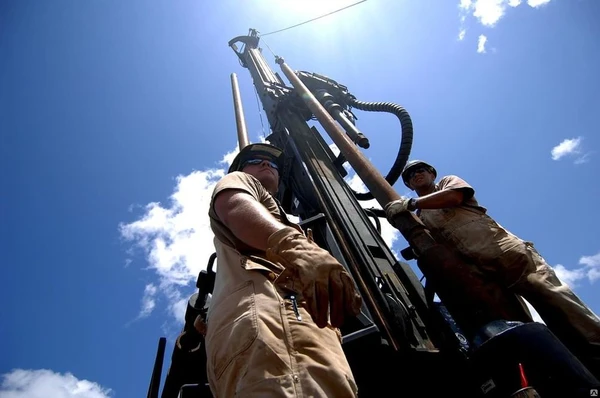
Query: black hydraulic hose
{"type": "Point", "coordinates": [374, 216]}
{"type": "Point", "coordinates": [405, 143]}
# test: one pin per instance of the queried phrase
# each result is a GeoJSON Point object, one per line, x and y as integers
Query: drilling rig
{"type": "Point", "coordinates": [473, 342]}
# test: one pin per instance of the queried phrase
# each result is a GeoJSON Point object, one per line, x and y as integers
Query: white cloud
{"type": "Point", "coordinates": [593, 274]}
{"type": "Point", "coordinates": [590, 261]}
{"type": "Point", "coordinates": [592, 266]}
{"type": "Point", "coordinates": [537, 3]}
{"type": "Point", "coordinates": [590, 269]}
{"type": "Point", "coordinates": [176, 238]}
{"type": "Point", "coordinates": [148, 301]}
{"type": "Point", "coordinates": [229, 156]}
{"type": "Point", "coordinates": [43, 383]}
{"type": "Point", "coordinates": [178, 308]}
{"type": "Point", "coordinates": [465, 4]}
{"type": "Point", "coordinates": [569, 276]}
{"type": "Point", "coordinates": [487, 13]}
{"type": "Point", "coordinates": [583, 158]}
{"type": "Point", "coordinates": [481, 44]}
{"type": "Point", "coordinates": [571, 147]}
{"type": "Point", "coordinates": [566, 147]}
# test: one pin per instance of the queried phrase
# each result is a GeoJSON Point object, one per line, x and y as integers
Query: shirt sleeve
{"type": "Point", "coordinates": [456, 183]}
{"type": "Point", "coordinates": [245, 183]}
{"type": "Point", "coordinates": [238, 181]}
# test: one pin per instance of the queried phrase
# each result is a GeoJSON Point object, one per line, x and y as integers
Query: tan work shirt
{"type": "Point", "coordinates": [471, 232]}
{"type": "Point", "coordinates": [255, 345]}
{"type": "Point", "coordinates": [240, 181]}
{"type": "Point", "coordinates": [234, 257]}
{"type": "Point", "coordinates": [515, 264]}
{"type": "Point", "coordinates": [443, 220]}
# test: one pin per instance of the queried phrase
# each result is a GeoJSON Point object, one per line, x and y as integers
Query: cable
{"type": "Point", "coordinates": [265, 43]}
{"type": "Point", "coordinates": [259, 112]}
{"type": "Point", "coordinates": [314, 19]}
{"type": "Point", "coordinates": [406, 128]}
{"type": "Point", "coordinates": [376, 218]}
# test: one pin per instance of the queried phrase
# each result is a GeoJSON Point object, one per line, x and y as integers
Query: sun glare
{"type": "Point", "coordinates": [316, 21]}
{"type": "Point", "coordinates": [306, 9]}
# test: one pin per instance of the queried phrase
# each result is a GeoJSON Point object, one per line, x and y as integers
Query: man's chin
{"type": "Point", "coordinates": [269, 181]}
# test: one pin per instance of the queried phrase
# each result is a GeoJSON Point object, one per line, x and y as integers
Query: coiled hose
{"type": "Point", "coordinates": [405, 143]}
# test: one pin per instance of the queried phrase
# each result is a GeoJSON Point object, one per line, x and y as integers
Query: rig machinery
{"type": "Point", "coordinates": [474, 342]}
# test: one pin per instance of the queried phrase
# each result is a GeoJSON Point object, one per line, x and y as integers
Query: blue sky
{"type": "Point", "coordinates": [116, 120]}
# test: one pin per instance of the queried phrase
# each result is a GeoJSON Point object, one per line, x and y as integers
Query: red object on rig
{"type": "Point", "coordinates": [524, 382]}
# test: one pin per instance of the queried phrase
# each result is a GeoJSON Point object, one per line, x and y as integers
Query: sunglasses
{"type": "Point", "coordinates": [412, 173]}
{"type": "Point", "coordinates": [259, 161]}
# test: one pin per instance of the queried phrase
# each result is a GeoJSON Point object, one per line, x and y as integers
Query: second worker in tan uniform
{"type": "Point", "coordinates": [455, 218]}
{"type": "Point", "coordinates": [278, 297]}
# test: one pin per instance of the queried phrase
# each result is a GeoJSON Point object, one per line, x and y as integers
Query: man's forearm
{"type": "Point", "coordinates": [249, 221]}
{"type": "Point", "coordinates": [440, 200]}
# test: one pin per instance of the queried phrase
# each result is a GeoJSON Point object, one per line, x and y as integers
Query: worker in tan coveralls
{"type": "Point", "coordinates": [278, 297]}
{"type": "Point", "coordinates": [455, 218]}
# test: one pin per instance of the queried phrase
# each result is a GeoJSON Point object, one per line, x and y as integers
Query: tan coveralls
{"type": "Point", "coordinates": [255, 345]}
{"type": "Point", "coordinates": [515, 264]}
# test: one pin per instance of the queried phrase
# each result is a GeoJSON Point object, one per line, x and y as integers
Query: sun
{"type": "Point", "coordinates": [307, 9]}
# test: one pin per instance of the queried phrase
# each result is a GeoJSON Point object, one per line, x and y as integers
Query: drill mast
{"type": "Point", "coordinates": [401, 333]}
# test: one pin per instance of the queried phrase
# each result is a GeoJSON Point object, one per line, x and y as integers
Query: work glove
{"type": "Point", "coordinates": [316, 274]}
{"type": "Point", "coordinates": [200, 324]}
{"type": "Point", "coordinates": [396, 207]}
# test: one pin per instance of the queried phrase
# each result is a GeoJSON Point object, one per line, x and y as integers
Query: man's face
{"type": "Point", "coordinates": [420, 177]}
{"type": "Point", "coordinates": [264, 170]}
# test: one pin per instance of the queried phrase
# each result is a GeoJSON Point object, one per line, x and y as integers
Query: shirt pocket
{"type": "Point", "coordinates": [234, 330]}
{"type": "Point", "coordinates": [478, 239]}
{"type": "Point", "coordinates": [262, 265]}
{"type": "Point", "coordinates": [436, 219]}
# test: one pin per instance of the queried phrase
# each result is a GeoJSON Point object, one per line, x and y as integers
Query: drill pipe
{"type": "Point", "coordinates": [239, 113]}
{"type": "Point", "coordinates": [472, 301]}
{"type": "Point", "coordinates": [335, 110]}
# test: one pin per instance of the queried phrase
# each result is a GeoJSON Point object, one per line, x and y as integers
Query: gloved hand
{"type": "Point", "coordinates": [316, 274]}
{"type": "Point", "coordinates": [200, 324]}
{"type": "Point", "coordinates": [396, 207]}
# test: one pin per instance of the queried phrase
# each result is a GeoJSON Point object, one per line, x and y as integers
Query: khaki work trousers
{"type": "Point", "coordinates": [257, 347]}
{"type": "Point", "coordinates": [516, 264]}
{"type": "Point", "coordinates": [561, 309]}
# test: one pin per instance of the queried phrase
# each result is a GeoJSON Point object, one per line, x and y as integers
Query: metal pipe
{"type": "Point", "coordinates": [354, 133]}
{"type": "Point", "coordinates": [157, 371]}
{"type": "Point", "coordinates": [382, 191]}
{"type": "Point", "coordinates": [335, 110]}
{"type": "Point", "coordinates": [239, 113]}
